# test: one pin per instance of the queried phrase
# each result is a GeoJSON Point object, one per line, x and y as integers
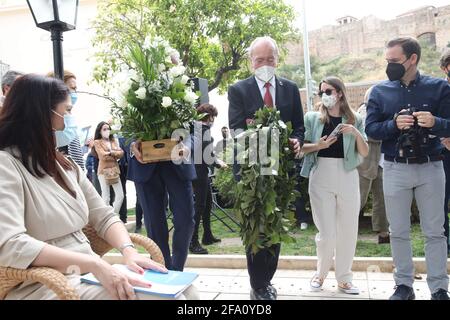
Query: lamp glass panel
{"type": "Point", "coordinates": [67, 11]}
{"type": "Point", "coordinates": [42, 10]}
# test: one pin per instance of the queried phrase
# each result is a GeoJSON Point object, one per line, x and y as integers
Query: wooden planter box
{"type": "Point", "coordinates": [158, 150]}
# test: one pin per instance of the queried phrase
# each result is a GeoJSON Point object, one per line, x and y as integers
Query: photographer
{"type": "Point", "coordinates": [410, 113]}
{"type": "Point", "coordinates": [445, 67]}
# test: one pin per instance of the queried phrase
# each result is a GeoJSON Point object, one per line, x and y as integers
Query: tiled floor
{"type": "Point", "coordinates": [233, 284]}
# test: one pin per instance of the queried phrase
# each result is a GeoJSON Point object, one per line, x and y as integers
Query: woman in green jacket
{"type": "Point", "coordinates": [335, 144]}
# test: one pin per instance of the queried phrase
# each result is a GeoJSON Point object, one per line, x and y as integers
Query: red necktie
{"type": "Point", "coordinates": [268, 101]}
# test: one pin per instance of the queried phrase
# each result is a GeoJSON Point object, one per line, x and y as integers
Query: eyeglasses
{"type": "Point", "coordinates": [328, 92]}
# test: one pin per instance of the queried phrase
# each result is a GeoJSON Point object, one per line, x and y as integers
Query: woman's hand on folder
{"type": "Point", "coordinates": [118, 284]}
{"type": "Point", "coordinates": [138, 263]}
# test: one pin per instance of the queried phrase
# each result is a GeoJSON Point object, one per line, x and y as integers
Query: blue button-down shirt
{"type": "Point", "coordinates": [424, 94]}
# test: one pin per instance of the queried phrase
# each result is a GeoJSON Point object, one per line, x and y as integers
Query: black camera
{"type": "Point", "coordinates": [414, 140]}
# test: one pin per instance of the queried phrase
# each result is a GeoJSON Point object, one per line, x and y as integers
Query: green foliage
{"type": "Point", "coordinates": [212, 36]}
{"type": "Point", "coordinates": [226, 185]}
{"type": "Point", "coordinates": [263, 201]}
{"type": "Point", "coordinates": [296, 72]}
{"type": "Point", "coordinates": [429, 62]}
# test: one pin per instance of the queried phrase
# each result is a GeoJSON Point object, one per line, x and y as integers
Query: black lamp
{"type": "Point", "coordinates": [56, 16]}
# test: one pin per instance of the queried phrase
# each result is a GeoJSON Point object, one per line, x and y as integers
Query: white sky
{"type": "Point", "coordinates": [325, 12]}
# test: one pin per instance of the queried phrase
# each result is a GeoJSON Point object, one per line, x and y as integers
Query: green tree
{"type": "Point", "coordinates": [212, 36]}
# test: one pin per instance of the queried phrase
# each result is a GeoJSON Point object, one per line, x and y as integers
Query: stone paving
{"type": "Point", "coordinates": [233, 284]}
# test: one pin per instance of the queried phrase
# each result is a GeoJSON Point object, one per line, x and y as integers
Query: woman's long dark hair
{"type": "Point", "coordinates": [25, 121]}
{"type": "Point", "coordinates": [98, 131]}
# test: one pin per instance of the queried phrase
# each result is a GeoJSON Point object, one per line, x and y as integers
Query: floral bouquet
{"type": "Point", "coordinates": [154, 96]}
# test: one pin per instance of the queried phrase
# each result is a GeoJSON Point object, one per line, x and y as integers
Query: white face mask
{"type": "Point", "coordinates": [265, 73]}
{"type": "Point", "coordinates": [329, 101]}
{"type": "Point", "coordinates": [106, 134]}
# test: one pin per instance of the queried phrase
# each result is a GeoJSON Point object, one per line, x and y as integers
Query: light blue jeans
{"type": "Point", "coordinates": [425, 182]}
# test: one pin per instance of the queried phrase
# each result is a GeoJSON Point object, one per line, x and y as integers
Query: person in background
{"type": "Point", "coordinates": [204, 157]}
{"type": "Point", "coordinates": [221, 147]}
{"type": "Point", "coordinates": [123, 166]}
{"type": "Point", "coordinates": [371, 180]}
{"type": "Point", "coordinates": [301, 214]}
{"type": "Point", "coordinates": [139, 216]}
{"type": "Point", "coordinates": [68, 141]}
{"type": "Point", "coordinates": [445, 67]}
{"type": "Point", "coordinates": [331, 163]}
{"type": "Point", "coordinates": [43, 207]}
{"type": "Point", "coordinates": [411, 107]}
{"type": "Point", "coordinates": [109, 152]}
{"type": "Point", "coordinates": [7, 81]}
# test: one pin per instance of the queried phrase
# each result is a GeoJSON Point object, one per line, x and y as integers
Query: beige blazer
{"type": "Point", "coordinates": [35, 211]}
{"type": "Point", "coordinates": [106, 160]}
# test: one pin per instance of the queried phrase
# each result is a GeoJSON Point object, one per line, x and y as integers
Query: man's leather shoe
{"type": "Point", "coordinates": [384, 239]}
{"type": "Point", "coordinates": [264, 293]}
{"type": "Point", "coordinates": [403, 292]}
{"type": "Point", "coordinates": [196, 248]}
{"type": "Point", "coordinates": [441, 294]}
{"type": "Point", "coordinates": [210, 240]}
{"type": "Point", "coordinates": [273, 290]}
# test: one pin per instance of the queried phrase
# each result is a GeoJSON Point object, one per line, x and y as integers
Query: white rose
{"type": "Point", "coordinates": [121, 101]}
{"type": "Point", "coordinates": [168, 59]}
{"type": "Point", "coordinates": [190, 97]}
{"type": "Point", "coordinates": [134, 75]}
{"type": "Point", "coordinates": [140, 93]}
{"type": "Point", "coordinates": [166, 102]}
{"type": "Point", "coordinates": [177, 71]}
{"type": "Point", "coordinates": [147, 43]}
{"type": "Point", "coordinates": [125, 87]}
{"type": "Point", "coordinates": [161, 67]}
{"type": "Point", "coordinates": [184, 79]}
{"type": "Point", "coordinates": [116, 127]}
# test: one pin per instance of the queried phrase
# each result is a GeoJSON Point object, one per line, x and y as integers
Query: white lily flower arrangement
{"type": "Point", "coordinates": [153, 94]}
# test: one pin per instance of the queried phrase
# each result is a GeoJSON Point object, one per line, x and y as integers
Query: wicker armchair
{"type": "Point", "coordinates": [55, 280]}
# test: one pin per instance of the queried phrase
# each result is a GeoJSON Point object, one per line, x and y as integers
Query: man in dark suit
{"type": "Point", "coordinates": [245, 98]}
{"type": "Point", "coordinates": [153, 182]}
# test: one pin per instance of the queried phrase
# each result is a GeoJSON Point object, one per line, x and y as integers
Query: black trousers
{"type": "Point", "coordinates": [123, 212]}
{"type": "Point", "coordinates": [203, 205]}
{"type": "Point", "coordinates": [262, 266]}
{"type": "Point", "coordinates": [139, 213]}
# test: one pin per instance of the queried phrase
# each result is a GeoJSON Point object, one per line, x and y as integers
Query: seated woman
{"type": "Point", "coordinates": [43, 207]}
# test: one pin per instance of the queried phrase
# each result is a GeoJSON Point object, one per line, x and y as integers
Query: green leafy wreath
{"type": "Point", "coordinates": [264, 202]}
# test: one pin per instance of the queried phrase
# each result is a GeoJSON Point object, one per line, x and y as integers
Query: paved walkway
{"type": "Point", "coordinates": [233, 284]}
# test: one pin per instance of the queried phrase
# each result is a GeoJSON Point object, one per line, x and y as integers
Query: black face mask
{"type": "Point", "coordinates": [395, 71]}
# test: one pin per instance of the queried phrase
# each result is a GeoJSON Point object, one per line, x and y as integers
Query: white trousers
{"type": "Point", "coordinates": [118, 192]}
{"type": "Point", "coordinates": [335, 201]}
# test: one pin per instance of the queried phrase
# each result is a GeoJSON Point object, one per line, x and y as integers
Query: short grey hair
{"type": "Point", "coordinates": [264, 39]}
{"type": "Point", "coordinates": [9, 78]}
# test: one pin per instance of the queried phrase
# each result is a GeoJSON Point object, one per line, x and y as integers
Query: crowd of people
{"type": "Point", "coordinates": [396, 145]}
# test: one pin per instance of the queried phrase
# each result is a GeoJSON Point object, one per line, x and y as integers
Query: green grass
{"type": "Point", "coordinates": [367, 245]}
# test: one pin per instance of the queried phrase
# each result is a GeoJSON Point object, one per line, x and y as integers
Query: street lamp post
{"type": "Point", "coordinates": [308, 77]}
{"type": "Point", "coordinates": [56, 16]}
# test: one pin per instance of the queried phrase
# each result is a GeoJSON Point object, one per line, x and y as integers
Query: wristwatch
{"type": "Point", "coordinates": [126, 245]}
